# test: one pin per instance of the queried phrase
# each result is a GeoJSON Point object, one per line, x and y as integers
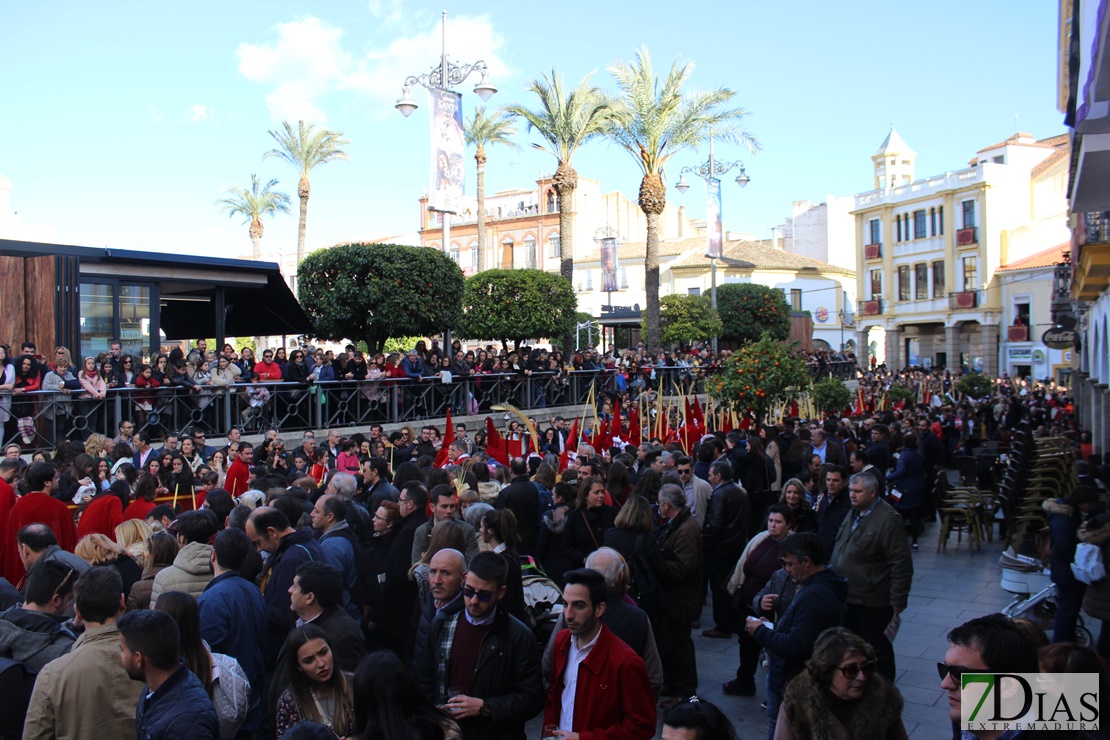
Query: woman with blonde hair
{"type": "Point", "coordinates": [94, 445]}
{"type": "Point", "coordinates": [97, 549]}
{"type": "Point", "coordinates": [133, 535]}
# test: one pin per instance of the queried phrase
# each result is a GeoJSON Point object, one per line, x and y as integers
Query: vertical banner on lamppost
{"type": "Point", "coordinates": [609, 264]}
{"type": "Point", "coordinates": [713, 226]}
{"type": "Point", "coordinates": [446, 191]}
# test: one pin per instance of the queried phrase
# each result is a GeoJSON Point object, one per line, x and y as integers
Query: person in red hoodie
{"type": "Point", "coordinates": [147, 489]}
{"type": "Point", "coordinates": [239, 472]}
{"type": "Point", "coordinates": [599, 686]}
{"type": "Point", "coordinates": [37, 506]}
{"type": "Point", "coordinates": [268, 370]}
{"type": "Point", "coordinates": [104, 513]}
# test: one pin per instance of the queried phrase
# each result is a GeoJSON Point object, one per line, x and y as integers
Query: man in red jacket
{"type": "Point", "coordinates": [38, 506]}
{"type": "Point", "coordinates": [599, 686]}
{"type": "Point", "coordinates": [239, 472]}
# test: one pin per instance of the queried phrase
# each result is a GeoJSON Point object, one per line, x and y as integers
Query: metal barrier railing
{"type": "Point", "coordinates": [291, 407]}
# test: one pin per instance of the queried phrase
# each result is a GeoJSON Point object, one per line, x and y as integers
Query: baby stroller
{"type": "Point", "coordinates": [1034, 593]}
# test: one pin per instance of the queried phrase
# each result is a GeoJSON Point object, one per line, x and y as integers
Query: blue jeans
{"type": "Point", "coordinates": [774, 701]}
{"type": "Point", "coordinates": [1068, 600]}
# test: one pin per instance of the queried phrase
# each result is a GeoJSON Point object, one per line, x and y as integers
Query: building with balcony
{"type": "Point", "coordinates": [1031, 298]}
{"type": "Point", "coordinates": [1083, 73]}
{"type": "Point", "coordinates": [929, 249]}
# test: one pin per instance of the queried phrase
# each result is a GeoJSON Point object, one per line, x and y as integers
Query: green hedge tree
{"type": "Point", "coordinates": [759, 376]}
{"type": "Point", "coordinates": [748, 310]}
{"type": "Point", "coordinates": [975, 385]}
{"type": "Point", "coordinates": [831, 395]}
{"type": "Point", "coordinates": [373, 292]}
{"type": "Point", "coordinates": [686, 318]}
{"type": "Point", "coordinates": [515, 305]}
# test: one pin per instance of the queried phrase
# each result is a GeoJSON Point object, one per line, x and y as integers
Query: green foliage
{"type": "Point", "coordinates": [898, 393]}
{"type": "Point", "coordinates": [975, 385]}
{"type": "Point", "coordinates": [399, 344]}
{"type": "Point", "coordinates": [747, 310]}
{"type": "Point", "coordinates": [687, 318]}
{"type": "Point", "coordinates": [759, 375]}
{"type": "Point", "coordinates": [373, 292]}
{"type": "Point", "coordinates": [831, 395]}
{"type": "Point", "coordinates": [514, 305]}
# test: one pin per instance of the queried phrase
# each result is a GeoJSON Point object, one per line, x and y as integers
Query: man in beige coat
{"type": "Point", "coordinates": [86, 693]}
{"type": "Point", "coordinates": [192, 567]}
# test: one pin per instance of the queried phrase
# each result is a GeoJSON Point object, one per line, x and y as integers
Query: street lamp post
{"type": "Point", "coordinates": [444, 76]}
{"type": "Point", "coordinates": [709, 171]}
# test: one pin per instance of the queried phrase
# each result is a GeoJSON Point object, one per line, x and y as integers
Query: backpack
{"type": "Point", "coordinates": [1088, 566]}
{"type": "Point", "coordinates": [367, 590]}
{"type": "Point", "coordinates": [231, 693]}
{"type": "Point", "coordinates": [643, 584]}
{"type": "Point", "coordinates": [543, 602]}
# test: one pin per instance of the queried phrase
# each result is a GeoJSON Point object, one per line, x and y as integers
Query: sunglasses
{"type": "Point", "coordinates": [955, 671]}
{"type": "Point", "coordinates": [469, 593]}
{"type": "Point", "coordinates": [684, 471]}
{"type": "Point", "coordinates": [62, 584]}
{"type": "Point", "coordinates": [852, 670]}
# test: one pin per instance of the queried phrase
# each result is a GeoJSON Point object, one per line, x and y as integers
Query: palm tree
{"type": "Point", "coordinates": [252, 205]}
{"type": "Point", "coordinates": [305, 148]}
{"type": "Point", "coordinates": [652, 123]}
{"type": "Point", "coordinates": [479, 131]}
{"type": "Point", "coordinates": [565, 122]}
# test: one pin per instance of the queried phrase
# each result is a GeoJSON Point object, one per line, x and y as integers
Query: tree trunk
{"type": "Point", "coordinates": [565, 183]}
{"type": "Point", "coordinates": [480, 157]}
{"type": "Point", "coordinates": [303, 191]}
{"type": "Point", "coordinates": [256, 238]}
{"type": "Point", "coordinates": [653, 197]}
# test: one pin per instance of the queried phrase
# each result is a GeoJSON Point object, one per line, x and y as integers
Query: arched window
{"type": "Point", "coordinates": [507, 253]}
{"type": "Point", "coordinates": [551, 201]}
{"type": "Point", "coordinates": [529, 256]}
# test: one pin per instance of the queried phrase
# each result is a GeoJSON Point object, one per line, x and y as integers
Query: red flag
{"type": "Point", "coordinates": [495, 445]}
{"type": "Point", "coordinates": [616, 425]}
{"type": "Point", "coordinates": [746, 421]}
{"type": "Point", "coordinates": [794, 409]}
{"type": "Point", "coordinates": [699, 416]}
{"type": "Point", "coordinates": [604, 438]}
{"type": "Point", "coordinates": [448, 438]}
{"type": "Point", "coordinates": [726, 422]}
{"type": "Point", "coordinates": [634, 432]}
{"type": "Point", "coordinates": [572, 438]}
{"type": "Point", "coordinates": [514, 448]}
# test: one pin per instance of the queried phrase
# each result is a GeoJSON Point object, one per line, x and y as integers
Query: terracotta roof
{"type": "Point", "coordinates": [1057, 140]}
{"type": "Point", "coordinates": [1061, 153]}
{"type": "Point", "coordinates": [738, 253]}
{"type": "Point", "coordinates": [1047, 258]}
{"type": "Point", "coordinates": [633, 251]}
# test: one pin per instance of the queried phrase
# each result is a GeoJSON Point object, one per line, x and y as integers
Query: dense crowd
{"type": "Point", "coordinates": [406, 586]}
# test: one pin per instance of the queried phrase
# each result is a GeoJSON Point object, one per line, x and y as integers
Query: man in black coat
{"type": "Point", "coordinates": [399, 592]}
{"type": "Point", "coordinates": [725, 535]}
{"type": "Point", "coordinates": [522, 497]}
{"type": "Point", "coordinates": [832, 506]}
{"type": "Point", "coordinates": [491, 657]}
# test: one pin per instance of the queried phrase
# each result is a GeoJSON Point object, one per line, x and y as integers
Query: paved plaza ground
{"type": "Point", "coordinates": [949, 588]}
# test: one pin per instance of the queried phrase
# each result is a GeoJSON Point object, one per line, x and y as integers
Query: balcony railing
{"type": "Point", "coordinates": [1017, 333]}
{"type": "Point", "coordinates": [873, 307]}
{"type": "Point", "coordinates": [965, 299]}
{"type": "Point", "coordinates": [873, 251]}
{"type": "Point", "coordinates": [1096, 227]}
{"type": "Point", "coordinates": [966, 236]}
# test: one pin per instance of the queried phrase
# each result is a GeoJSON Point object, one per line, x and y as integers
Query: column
{"type": "Point", "coordinates": [1103, 421]}
{"type": "Point", "coordinates": [894, 349]}
{"type": "Point", "coordinates": [863, 349]}
{"type": "Point", "coordinates": [952, 346]}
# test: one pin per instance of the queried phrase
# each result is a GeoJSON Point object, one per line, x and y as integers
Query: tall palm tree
{"type": "Point", "coordinates": [305, 148]}
{"type": "Point", "coordinates": [653, 122]}
{"type": "Point", "coordinates": [479, 131]}
{"type": "Point", "coordinates": [252, 205]}
{"type": "Point", "coordinates": [565, 122]}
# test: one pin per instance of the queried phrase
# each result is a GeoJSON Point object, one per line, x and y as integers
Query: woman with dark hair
{"type": "Point", "coordinates": [163, 550]}
{"type": "Point", "coordinates": [221, 504]}
{"type": "Point", "coordinates": [586, 527]}
{"type": "Point", "coordinates": [214, 670]}
{"type": "Point", "coordinates": [318, 690]}
{"type": "Point", "coordinates": [405, 472]}
{"type": "Point", "coordinates": [390, 705]}
{"type": "Point", "coordinates": [908, 494]}
{"type": "Point", "coordinates": [619, 483]}
{"type": "Point", "coordinates": [498, 530]}
{"type": "Point", "coordinates": [696, 719]}
{"type": "Point", "coordinates": [28, 378]}
{"type": "Point", "coordinates": [549, 546]}
{"type": "Point", "coordinates": [189, 452]}
{"type": "Point", "coordinates": [839, 694]}
{"type": "Point", "coordinates": [146, 490]}
{"type": "Point", "coordinates": [633, 536]}
{"type": "Point", "coordinates": [180, 482]}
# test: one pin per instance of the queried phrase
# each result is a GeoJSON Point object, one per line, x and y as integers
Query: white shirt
{"type": "Point", "coordinates": [570, 677]}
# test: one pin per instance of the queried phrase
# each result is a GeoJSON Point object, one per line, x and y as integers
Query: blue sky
{"type": "Point", "coordinates": [122, 123]}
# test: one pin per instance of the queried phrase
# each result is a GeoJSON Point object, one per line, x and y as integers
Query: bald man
{"type": "Point", "coordinates": [446, 572]}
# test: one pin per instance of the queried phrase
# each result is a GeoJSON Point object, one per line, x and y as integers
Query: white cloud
{"type": "Point", "coordinates": [155, 115]}
{"type": "Point", "coordinates": [199, 112]}
{"type": "Point", "coordinates": [308, 61]}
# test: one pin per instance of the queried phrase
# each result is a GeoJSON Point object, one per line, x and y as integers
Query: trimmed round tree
{"type": "Point", "coordinates": [515, 305]}
{"type": "Point", "coordinates": [831, 395]}
{"type": "Point", "coordinates": [747, 310]}
{"type": "Point", "coordinates": [686, 318]}
{"type": "Point", "coordinates": [759, 376]}
{"type": "Point", "coordinates": [975, 385]}
{"type": "Point", "coordinates": [372, 292]}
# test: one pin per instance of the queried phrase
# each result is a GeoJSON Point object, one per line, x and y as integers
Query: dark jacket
{"type": "Point", "coordinates": [33, 638]}
{"type": "Point", "coordinates": [682, 567]}
{"type": "Point", "coordinates": [1063, 527]}
{"type": "Point", "coordinates": [584, 531]}
{"type": "Point", "coordinates": [780, 585]}
{"type": "Point", "coordinates": [830, 513]}
{"type": "Point", "coordinates": [878, 454]}
{"type": "Point", "coordinates": [233, 621]}
{"type": "Point", "coordinates": [507, 677]}
{"type": "Point", "coordinates": [818, 605]}
{"type": "Point", "coordinates": [726, 522]}
{"type": "Point", "coordinates": [522, 497]}
{"type": "Point", "coordinates": [179, 710]}
{"type": "Point", "coordinates": [550, 550]}
{"type": "Point", "coordinates": [294, 549]}
{"type": "Point", "coordinates": [423, 664]}
{"type": "Point", "coordinates": [909, 477]}
{"type": "Point", "coordinates": [875, 558]}
{"type": "Point", "coordinates": [399, 592]}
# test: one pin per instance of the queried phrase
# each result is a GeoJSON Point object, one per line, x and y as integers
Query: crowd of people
{"type": "Point", "coordinates": [360, 588]}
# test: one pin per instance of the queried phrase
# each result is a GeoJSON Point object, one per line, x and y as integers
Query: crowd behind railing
{"type": "Point", "coordinates": [45, 400]}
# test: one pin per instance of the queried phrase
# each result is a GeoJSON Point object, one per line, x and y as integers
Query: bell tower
{"type": "Point", "coordinates": [894, 162]}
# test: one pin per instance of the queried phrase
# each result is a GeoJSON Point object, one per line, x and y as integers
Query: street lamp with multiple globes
{"type": "Point", "coordinates": [444, 76]}
{"type": "Point", "coordinates": [709, 171]}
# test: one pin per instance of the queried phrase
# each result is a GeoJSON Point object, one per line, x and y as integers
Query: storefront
{"type": "Point", "coordinates": [85, 298]}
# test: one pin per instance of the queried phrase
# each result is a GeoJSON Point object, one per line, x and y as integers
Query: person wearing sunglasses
{"type": "Point", "coordinates": [33, 633]}
{"type": "Point", "coordinates": [840, 695]}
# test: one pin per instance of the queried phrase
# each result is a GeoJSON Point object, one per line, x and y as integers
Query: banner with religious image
{"type": "Point", "coordinates": [446, 191]}
{"type": "Point", "coordinates": [713, 226]}
{"type": "Point", "coordinates": [609, 264]}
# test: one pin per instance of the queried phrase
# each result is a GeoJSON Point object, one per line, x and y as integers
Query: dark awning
{"type": "Point", "coordinates": [266, 310]}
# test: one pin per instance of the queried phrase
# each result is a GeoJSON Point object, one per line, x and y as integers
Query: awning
{"type": "Point", "coordinates": [268, 310]}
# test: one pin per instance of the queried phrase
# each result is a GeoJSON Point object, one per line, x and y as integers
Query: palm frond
{"type": "Point", "coordinates": [523, 420]}
{"type": "Point", "coordinates": [485, 128]}
{"type": "Point", "coordinates": [565, 121]}
{"type": "Point", "coordinates": [306, 147]}
{"type": "Point", "coordinates": [255, 202]}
